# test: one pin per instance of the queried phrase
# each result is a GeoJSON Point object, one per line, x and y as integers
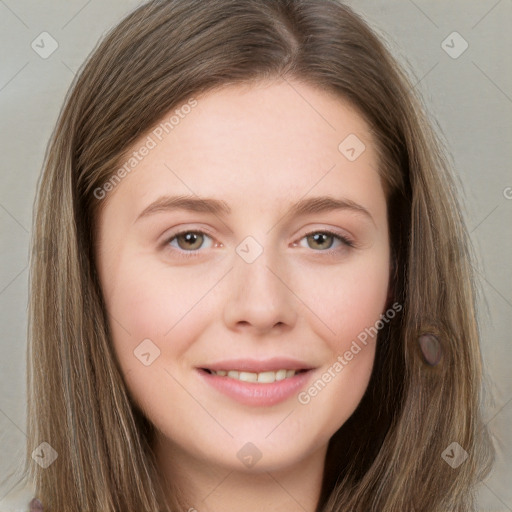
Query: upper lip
{"type": "Point", "coordinates": [259, 365]}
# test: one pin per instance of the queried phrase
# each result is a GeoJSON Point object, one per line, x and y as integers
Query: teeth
{"type": "Point", "coordinates": [267, 377]}
{"type": "Point", "coordinates": [281, 374]}
{"type": "Point", "coordinates": [248, 377]}
{"type": "Point", "coordinates": [263, 377]}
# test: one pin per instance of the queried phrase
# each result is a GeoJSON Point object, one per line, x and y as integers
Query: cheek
{"type": "Point", "coordinates": [347, 299]}
{"type": "Point", "coordinates": [154, 317]}
{"type": "Point", "coordinates": [166, 307]}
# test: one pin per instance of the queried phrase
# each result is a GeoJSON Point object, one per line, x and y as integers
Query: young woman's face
{"type": "Point", "coordinates": [252, 284]}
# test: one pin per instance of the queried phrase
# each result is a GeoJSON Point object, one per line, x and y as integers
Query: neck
{"type": "Point", "coordinates": [208, 487]}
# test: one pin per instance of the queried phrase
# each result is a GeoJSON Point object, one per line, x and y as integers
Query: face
{"type": "Point", "coordinates": [248, 282]}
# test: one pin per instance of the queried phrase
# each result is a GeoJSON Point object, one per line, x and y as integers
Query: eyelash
{"type": "Point", "coordinates": [195, 253]}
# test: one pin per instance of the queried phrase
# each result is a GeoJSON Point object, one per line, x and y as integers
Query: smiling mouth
{"type": "Point", "coordinates": [266, 377]}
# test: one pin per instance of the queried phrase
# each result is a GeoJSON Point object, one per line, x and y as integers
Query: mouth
{"type": "Point", "coordinates": [264, 377]}
{"type": "Point", "coordinates": [257, 383]}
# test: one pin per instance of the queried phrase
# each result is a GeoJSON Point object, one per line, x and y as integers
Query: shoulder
{"type": "Point", "coordinates": [18, 500]}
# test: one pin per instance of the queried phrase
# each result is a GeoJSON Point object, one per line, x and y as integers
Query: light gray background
{"type": "Point", "coordinates": [470, 97]}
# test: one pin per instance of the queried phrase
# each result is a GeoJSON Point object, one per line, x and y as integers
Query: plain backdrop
{"type": "Point", "coordinates": [468, 92]}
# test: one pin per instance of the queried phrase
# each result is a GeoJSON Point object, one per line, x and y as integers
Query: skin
{"type": "Point", "coordinates": [260, 148]}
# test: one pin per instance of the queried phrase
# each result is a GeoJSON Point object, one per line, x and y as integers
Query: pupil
{"type": "Point", "coordinates": [190, 238]}
{"type": "Point", "coordinates": [319, 236]}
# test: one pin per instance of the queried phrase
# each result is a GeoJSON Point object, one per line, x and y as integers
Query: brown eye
{"type": "Point", "coordinates": [189, 240]}
{"type": "Point", "coordinates": [187, 243]}
{"type": "Point", "coordinates": [324, 240]}
{"type": "Point", "coordinates": [321, 240]}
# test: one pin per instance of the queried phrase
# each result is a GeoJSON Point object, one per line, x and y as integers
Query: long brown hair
{"type": "Point", "coordinates": [387, 456]}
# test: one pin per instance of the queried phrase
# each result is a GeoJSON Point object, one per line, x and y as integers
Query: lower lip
{"type": "Point", "coordinates": [251, 393]}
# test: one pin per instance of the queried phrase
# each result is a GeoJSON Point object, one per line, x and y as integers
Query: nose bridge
{"type": "Point", "coordinates": [259, 293]}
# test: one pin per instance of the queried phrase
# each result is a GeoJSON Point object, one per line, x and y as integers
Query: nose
{"type": "Point", "coordinates": [260, 297]}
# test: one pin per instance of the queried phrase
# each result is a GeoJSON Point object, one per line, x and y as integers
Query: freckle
{"type": "Point", "coordinates": [431, 348]}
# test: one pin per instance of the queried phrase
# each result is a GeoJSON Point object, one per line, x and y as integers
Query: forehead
{"type": "Point", "coordinates": [262, 143]}
{"type": "Point", "coordinates": [284, 122]}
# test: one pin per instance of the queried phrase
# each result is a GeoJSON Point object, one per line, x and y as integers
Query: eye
{"type": "Point", "coordinates": [324, 240]}
{"type": "Point", "coordinates": [188, 241]}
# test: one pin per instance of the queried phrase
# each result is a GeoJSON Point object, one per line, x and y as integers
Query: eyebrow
{"type": "Point", "coordinates": [219, 207]}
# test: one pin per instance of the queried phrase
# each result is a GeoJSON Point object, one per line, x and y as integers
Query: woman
{"type": "Point", "coordinates": [260, 370]}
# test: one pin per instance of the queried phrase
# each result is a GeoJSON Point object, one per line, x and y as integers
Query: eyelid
{"type": "Point", "coordinates": [344, 238]}
{"type": "Point", "coordinates": [175, 234]}
{"type": "Point", "coordinates": [181, 229]}
{"type": "Point", "coordinates": [326, 228]}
